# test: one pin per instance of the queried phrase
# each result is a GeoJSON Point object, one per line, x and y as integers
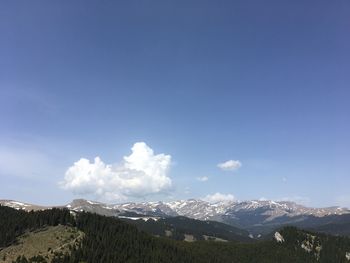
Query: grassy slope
{"type": "Point", "coordinates": [42, 242]}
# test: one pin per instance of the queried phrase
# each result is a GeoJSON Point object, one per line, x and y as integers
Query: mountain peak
{"type": "Point", "coordinates": [245, 214]}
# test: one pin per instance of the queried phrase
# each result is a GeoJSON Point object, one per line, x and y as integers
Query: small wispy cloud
{"type": "Point", "coordinates": [203, 178]}
{"type": "Point", "coordinates": [230, 165]}
{"type": "Point", "coordinates": [219, 197]}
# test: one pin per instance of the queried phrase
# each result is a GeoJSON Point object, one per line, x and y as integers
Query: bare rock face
{"type": "Point", "coordinates": [79, 205]}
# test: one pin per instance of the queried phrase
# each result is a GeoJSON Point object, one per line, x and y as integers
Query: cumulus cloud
{"type": "Point", "coordinates": [203, 178]}
{"type": "Point", "coordinates": [218, 197]}
{"type": "Point", "coordinates": [140, 174]}
{"type": "Point", "coordinates": [230, 165]}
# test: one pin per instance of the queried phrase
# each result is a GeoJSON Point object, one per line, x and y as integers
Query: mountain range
{"type": "Point", "coordinates": [258, 217]}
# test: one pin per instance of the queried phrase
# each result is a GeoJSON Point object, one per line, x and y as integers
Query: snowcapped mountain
{"type": "Point", "coordinates": [199, 209]}
{"type": "Point", "coordinates": [254, 215]}
{"type": "Point", "coordinates": [22, 206]}
{"type": "Point", "coordinates": [194, 208]}
{"type": "Point", "coordinates": [80, 205]}
{"type": "Point", "coordinates": [259, 217]}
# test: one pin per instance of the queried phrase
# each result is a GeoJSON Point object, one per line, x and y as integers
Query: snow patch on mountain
{"type": "Point", "coordinates": [278, 237]}
{"type": "Point", "coordinates": [347, 255]}
{"type": "Point", "coordinates": [257, 212]}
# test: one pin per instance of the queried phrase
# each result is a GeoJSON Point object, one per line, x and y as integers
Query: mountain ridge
{"type": "Point", "coordinates": [193, 208]}
{"type": "Point", "coordinates": [256, 216]}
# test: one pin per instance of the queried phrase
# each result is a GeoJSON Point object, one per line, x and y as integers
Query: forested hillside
{"type": "Point", "coordinates": [108, 239]}
{"type": "Point", "coordinates": [180, 227]}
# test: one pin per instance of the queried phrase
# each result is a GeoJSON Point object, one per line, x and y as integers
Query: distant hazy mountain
{"type": "Point", "coordinates": [259, 217]}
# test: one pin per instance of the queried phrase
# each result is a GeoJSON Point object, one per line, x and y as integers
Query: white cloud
{"type": "Point", "coordinates": [218, 197]}
{"type": "Point", "coordinates": [230, 165]}
{"type": "Point", "coordinates": [140, 174]}
{"type": "Point", "coordinates": [203, 178]}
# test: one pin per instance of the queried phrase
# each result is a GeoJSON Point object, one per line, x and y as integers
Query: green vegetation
{"type": "Point", "coordinates": [16, 222]}
{"type": "Point", "coordinates": [179, 227]}
{"type": "Point", "coordinates": [110, 240]}
{"type": "Point", "coordinates": [45, 242]}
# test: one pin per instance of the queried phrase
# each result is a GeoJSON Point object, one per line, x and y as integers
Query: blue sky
{"type": "Point", "coordinates": [265, 83]}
